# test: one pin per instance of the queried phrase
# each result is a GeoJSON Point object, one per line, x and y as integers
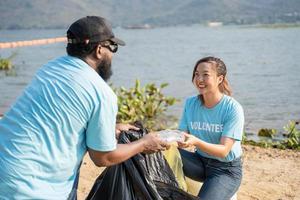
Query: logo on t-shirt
{"type": "Point", "coordinates": [204, 126]}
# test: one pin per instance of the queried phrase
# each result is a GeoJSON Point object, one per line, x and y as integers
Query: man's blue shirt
{"type": "Point", "coordinates": [66, 109]}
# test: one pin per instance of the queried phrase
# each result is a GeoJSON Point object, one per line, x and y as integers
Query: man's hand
{"type": "Point", "coordinates": [153, 143]}
{"type": "Point", "coordinates": [189, 140]}
{"type": "Point", "coordinates": [124, 127]}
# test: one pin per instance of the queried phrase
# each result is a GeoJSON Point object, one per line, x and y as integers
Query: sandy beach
{"type": "Point", "coordinates": [269, 174]}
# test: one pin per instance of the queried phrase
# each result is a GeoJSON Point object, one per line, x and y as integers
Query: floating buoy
{"type": "Point", "coordinates": [31, 42]}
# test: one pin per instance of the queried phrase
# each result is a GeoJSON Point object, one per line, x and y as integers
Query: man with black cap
{"type": "Point", "coordinates": [67, 110]}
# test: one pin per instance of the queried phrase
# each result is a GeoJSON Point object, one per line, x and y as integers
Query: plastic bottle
{"type": "Point", "coordinates": [171, 135]}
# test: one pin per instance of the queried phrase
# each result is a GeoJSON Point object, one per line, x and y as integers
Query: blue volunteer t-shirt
{"type": "Point", "coordinates": [226, 119]}
{"type": "Point", "coordinates": [43, 137]}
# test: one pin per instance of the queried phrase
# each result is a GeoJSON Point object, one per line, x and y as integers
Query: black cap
{"type": "Point", "coordinates": [92, 29]}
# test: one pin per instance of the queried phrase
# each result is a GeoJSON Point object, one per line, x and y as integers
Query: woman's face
{"type": "Point", "coordinates": [206, 79]}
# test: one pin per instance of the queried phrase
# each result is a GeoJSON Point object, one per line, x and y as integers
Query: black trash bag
{"type": "Point", "coordinates": [142, 177]}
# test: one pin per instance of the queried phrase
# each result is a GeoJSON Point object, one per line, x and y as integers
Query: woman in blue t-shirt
{"type": "Point", "coordinates": [214, 124]}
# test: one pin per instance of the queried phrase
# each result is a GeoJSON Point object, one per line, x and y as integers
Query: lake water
{"type": "Point", "coordinates": [263, 65]}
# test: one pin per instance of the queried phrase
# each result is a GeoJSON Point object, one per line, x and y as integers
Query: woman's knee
{"type": "Point", "coordinates": [220, 187]}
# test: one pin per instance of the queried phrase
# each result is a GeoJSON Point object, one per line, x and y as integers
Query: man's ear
{"type": "Point", "coordinates": [98, 51]}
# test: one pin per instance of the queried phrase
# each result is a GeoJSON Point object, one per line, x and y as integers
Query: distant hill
{"type": "Point", "coordinates": [17, 14]}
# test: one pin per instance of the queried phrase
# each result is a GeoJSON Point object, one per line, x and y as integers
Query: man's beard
{"type": "Point", "coordinates": [104, 69]}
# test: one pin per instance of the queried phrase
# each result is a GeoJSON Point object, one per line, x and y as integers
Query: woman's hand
{"type": "Point", "coordinates": [153, 143]}
{"type": "Point", "coordinates": [189, 140]}
{"type": "Point", "coordinates": [124, 127]}
{"type": "Point", "coordinates": [219, 150]}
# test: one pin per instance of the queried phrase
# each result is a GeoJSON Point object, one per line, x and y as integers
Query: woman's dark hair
{"type": "Point", "coordinates": [80, 50]}
{"type": "Point", "coordinates": [221, 70]}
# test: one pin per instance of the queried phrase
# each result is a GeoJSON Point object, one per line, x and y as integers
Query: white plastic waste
{"type": "Point", "coordinates": [171, 135]}
{"type": "Point", "coordinates": [234, 197]}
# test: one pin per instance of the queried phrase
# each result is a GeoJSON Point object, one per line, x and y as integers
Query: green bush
{"type": "Point", "coordinates": [291, 142]}
{"type": "Point", "coordinates": [146, 104]}
{"type": "Point", "coordinates": [5, 63]}
{"type": "Point", "coordinates": [293, 135]}
{"type": "Point", "coordinates": [266, 132]}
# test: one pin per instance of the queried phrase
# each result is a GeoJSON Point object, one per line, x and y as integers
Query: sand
{"type": "Point", "coordinates": [269, 174]}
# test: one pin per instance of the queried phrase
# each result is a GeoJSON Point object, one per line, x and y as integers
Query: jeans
{"type": "Point", "coordinates": [220, 180]}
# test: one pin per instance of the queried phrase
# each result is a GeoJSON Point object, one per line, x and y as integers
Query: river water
{"type": "Point", "coordinates": [263, 65]}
